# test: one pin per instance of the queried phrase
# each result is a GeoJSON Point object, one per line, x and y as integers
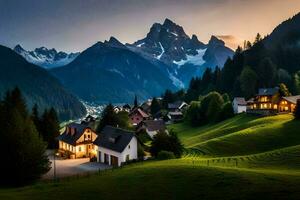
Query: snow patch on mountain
{"type": "Point", "coordinates": [178, 83]}
{"type": "Point", "coordinates": [140, 45]}
{"type": "Point", "coordinates": [47, 58]}
{"type": "Point", "coordinates": [162, 51]}
{"type": "Point", "coordinates": [117, 71]}
{"type": "Point", "coordinates": [193, 59]}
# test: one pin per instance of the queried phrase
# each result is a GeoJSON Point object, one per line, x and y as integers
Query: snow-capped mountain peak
{"type": "Point", "coordinates": [44, 57]}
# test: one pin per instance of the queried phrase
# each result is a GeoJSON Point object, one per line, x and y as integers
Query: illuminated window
{"type": "Point", "coordinates": [286, 108]}
{"type": "Point", "coordinates": [275, 106]}
{"type": "Point", "coordinates": [79, 149]}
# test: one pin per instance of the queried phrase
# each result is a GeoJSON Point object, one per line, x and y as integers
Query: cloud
{"type": "Point", "coordinates": [230, 40]}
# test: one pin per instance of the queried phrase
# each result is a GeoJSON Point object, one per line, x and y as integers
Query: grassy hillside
{"type": "Point", "coordinates": [241, 135]}
{"type": "Point", "coordinates": [242, 158]}
{"type": "Point", "coordinates": [173, 179]}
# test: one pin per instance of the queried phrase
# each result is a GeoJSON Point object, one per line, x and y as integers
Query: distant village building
{"type": "Point", "coordinates": [115, 146]}
{"type": "Point", "coordinates": [152, 127]}
{"type": "Point", "coordinates": [175, 117]}
{"type": "Point", "coordinates": [239, 105]}
{"type": "Point", "coordinates": [177, 106]}
{"type": "Point", "coordinates": [126, 108]}
{"type": "Point", "coordinates": [118, 109]}
{"type": "Point", "coordinates": [77, 141]}
{"type": "Point", "coordinates": [268, 101]}
{"type": "Point", "coordinates": [146, 106]}
{"type": "Point", "coordinates": [137, 115]}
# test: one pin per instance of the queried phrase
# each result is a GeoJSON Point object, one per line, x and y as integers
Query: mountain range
{"type": "Point", "coordinates": [37, 85]}
{"type": "Point", "coordinates": [109, 71]}
{"type": "Point", "coordinates": [46, 58]}
{"type": "Point", "coordinates": [167, 58]}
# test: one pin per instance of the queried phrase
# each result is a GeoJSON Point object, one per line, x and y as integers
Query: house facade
{"type": "Point", "coordinates": [77, 141]}
{"type": "Point", "coordinates": [239, 105]}
{"type": "Point", "coordinates": [268, 101]}
{"type": "Point", "coordinates": [137, 115]}
{"type": "Point", "coordinates": [115, 146]}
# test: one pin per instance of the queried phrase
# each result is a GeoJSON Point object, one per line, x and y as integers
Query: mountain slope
{"type": "Point", "coordinates": [47, 58]}
{"type": "Point", "coordinates": [110, 72]}
{"type": "Point", "coordinates": [185, 57]}
{"type": "Point", "coordinates": [37, 85]}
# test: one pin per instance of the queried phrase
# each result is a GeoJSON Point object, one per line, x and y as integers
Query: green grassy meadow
{"type": "Point", "coordinates": [245, 157]}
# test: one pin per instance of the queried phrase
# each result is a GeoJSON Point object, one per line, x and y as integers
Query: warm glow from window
{"type": "Point", "coordinates": [275, 106]}
{"type": "Point", "coordinates": [263, 99]}
{"type": "Point", "coordinates": [286, 108]}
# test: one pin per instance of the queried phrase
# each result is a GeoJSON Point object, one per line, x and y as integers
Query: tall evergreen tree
{"type": "Point", "coordinates": [155, 106]}
{"type": "Point", "coordinates": [135, 103]}
{"type": "Point", "coordinates": [108, 117]}
{"type": "Point", "coordinates": [49, 128]}
{"type": "Point", "coordinates": [24, 159]}
{"type": "Point", "coordinates": [168, 97]}
{"type": "Point", "coordinates": [36, 118]}
{"type": "Point", "coordinates": [248, 82]}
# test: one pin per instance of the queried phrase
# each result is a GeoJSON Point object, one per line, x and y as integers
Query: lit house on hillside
{"type": "Point", "coordinates": [269, 101]}
{"type": "Point", "coordinates": [77, 141]}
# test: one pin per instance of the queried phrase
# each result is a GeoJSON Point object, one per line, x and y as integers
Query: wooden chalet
{"type": "Point", "coordinates": [77, 141]}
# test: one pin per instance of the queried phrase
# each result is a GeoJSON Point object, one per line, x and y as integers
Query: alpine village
{"type": "Point", "coordinates": [165, 117]}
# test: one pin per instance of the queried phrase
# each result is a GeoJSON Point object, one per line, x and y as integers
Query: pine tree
{"type": "Point", "coordinates": [24, 159]}
{"type": "Point", "coordinates": [258, 38]}
{"type": "Point", "coordinates": [135, 103]}
{"type": "Point", "coordinates": [155, 106]}
{"type": "Point", "coordinates": [248, 80]}
{"type": "Point", "coordinates": [49, 127]}
{"type": "Point", "coordinates": [108, 117]}
{"type": "Point", "coordinates": [36, 118]}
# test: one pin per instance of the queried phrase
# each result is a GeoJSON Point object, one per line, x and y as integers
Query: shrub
{"type": "Point", "coordinates": [211, 105]}
{"type": "Point", "coordinates": [226, 112]}
{"type": "Point", "coordinates": [167, 142]}
{"type": "Point", "coordinates": [165, 155]}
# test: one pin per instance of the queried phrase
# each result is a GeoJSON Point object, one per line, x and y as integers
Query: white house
{"type": "Point", "coordinates": [239, 105]}
{"type": "Point", "coordinates": [115, 146]}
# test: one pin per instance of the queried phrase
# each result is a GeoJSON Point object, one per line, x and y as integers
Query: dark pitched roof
{"type": "Point", "coordinates": [267, 91]}
{"type": "Point", "coordinates": [176, 105]}
{"type": "Point", "coordinates": [115, 139]}
{"type": "Point", "coordinates": [155, 125]}
{"type": "Point", "coordinates": [240, 101]}
{"type": "Point", "coordinates": [138, 110]}
{"type": "Point", "coordinates": [251, 100]}
{"type": "Point", "coordinates": [292, 99]}
{"type": "Point", "coordinates": [71, 139]}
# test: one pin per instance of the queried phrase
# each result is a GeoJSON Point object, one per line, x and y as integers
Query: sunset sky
{"type": "Point", "coordinates": [74, 25]}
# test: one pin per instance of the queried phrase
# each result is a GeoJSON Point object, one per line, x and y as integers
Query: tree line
{"type": "Point", "coordinates": [24, 139]}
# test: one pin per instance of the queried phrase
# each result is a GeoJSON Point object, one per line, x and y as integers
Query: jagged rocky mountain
{"type": "Point", "coordinates": [44, 57]}
{"type": "Point", "coordinates": [166, 59]}
{"type": "Point", "coordinates": [110, 72]}
{"type": "Point", "coordinates": [185, 56]}
{"type": "Point", "coordinates": [37, 85]}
